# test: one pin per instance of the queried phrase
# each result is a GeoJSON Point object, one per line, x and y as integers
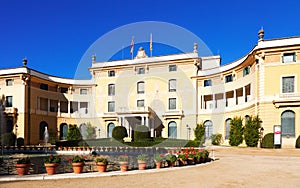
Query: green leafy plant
{"type": "Point", "coordinates": [73, 133]}
{"type": "Point", "coordinates": [183, 156]}
{"type": "Point", "coordinates": [123, 158]}
{"type": "Point", "coordinates": [268, 141]}
{"type": "Point", "coordinates": [90, 131]}
{"type": "Point", "coordinates": [171, 158]}
{"type": "Point", "coordinates": [236, 131]}
{"type": "Point", "coordinates": [216, 139]}
{"type": "Point", "coordinates": [119, 132]}
{"type": "Point", "coordinates": [142, 157]}
{"type": "Point", "coordinates": [52, 159]}
{"type": "Point", "coordinates": [199, 133]}
{"type": "Point", "coordinates": [23, 160]}
{"type": "Point", "coordinates": [159, 157]}
{"type": "Point", "coordinates": [297, 145]}
{"type": "Point", "coordinates": [77, 159]}
{"type": "Point", "coordinates": [251, 131]}
{"type": "Point", "coordinates": [101, 160]}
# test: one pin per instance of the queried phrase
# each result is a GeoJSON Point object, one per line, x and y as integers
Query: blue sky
{"type": "Point", "coordinates": [54, 35]}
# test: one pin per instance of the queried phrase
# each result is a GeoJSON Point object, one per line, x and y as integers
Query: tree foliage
{"type": "Point", "coordinates": [236, 131]}
{"type": "Point", "coordinates": [119, 132]}
{"type": "Point", "coordinates": [141, 132]}
{"type": "Point", "coordinates": [73, 133]}
{"type": "Point", "coordinates": [251, 131]}
{"type": "Point", "coordinates": [90, 131]}
{"type": "Point", "coordinates": [199, 133]}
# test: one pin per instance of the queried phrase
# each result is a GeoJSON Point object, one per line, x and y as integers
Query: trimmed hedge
{"type": "Point", "coordinates": [119, 132]}
{"type": "Point", "coordinates": [268, 141]}
{"type": "Point", "coordinates": [141, 132]}
{"type": "Point", "coordinates": [216, 139]}
{"type": "Point", "coordinates": [297, 145]}
{"type": "Point", "coordinates": [236, 131]}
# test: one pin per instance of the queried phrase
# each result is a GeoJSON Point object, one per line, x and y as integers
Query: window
{"type": "Point", "coordinates": [172, 129]}
{"type": "Point", "coordinates": [63, 131]}
{"type": "Point", "coordinates": [288, 84]}
{"type": "Point", "coordinates": [289, 57]}
{"type": "Point", "coordinates": [227, 128]}
{"type": "Point", "coordinates": [228, 78]}
{"type": "Point", "coordinates": [111, 73]}
{"type": "Point", "coordinates": [172, 85]}
{"type": "Point", "coordinates": [63, 90]}
{"type": "Point", "coordinates": [172, 103]}
{"type": "Point", "coordinates": [9, 101]}
{"type": "Point", "coordinates": [141, 87]}
{"type": "Point", "coordinates": [83, 91]}
{"type": "Point", "coordinates": [110, 128]}
{"type": "Point", "coordinates": [141, 70]}
{"type": "Point", "coordinates": [288, 123]}
{"type": "Point", "coordinates": [44, 86]}
{"type": "Point", "coordinates": [208, 127]}
{"type": "Point", "coordinates": [111, 89]}
{"type": "Point", "coordinates": [9, 82]}
{"type": "Point", "coordinates": [140, 103]}
{"type": "Point", "coordinates": [83, 107]}
{"type": "Point", "coordinates": [207, 83]}
{"type": "Point", "coordinates": [172, 68]}
{"type": "Point", "coordinates": [83, 131]}
{"type": "Point", "coordinates": [246, 71]}
{"type": "Point", "coordinates": [111, 106]}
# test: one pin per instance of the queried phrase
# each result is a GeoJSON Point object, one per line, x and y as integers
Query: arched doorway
{"type": "Point", "coordinates": [63, 131]}
{"type": "Point", "coordinates": [208, 126]}
{"type": "Point", "coordinates": [43, 125]}
{"type": "Point", "coordinates": [227, 128]}
{"type": "Point", "coordinates": [288, 123]}
{"type": "Point", "coordinates": [110, 128]}
{"type": "Point", "coordinates": [83, 130]}
{"type": "Point", "coordinates": [172, 129]}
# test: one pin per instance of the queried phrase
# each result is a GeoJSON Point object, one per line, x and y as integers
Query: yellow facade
{"type": "Point", "coordinates": [169, 94]}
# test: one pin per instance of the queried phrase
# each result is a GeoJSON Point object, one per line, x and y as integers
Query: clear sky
{"type": "Point", "coordinates": [54, 34]}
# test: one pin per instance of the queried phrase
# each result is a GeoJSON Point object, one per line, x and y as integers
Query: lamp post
{"type": "Point", "coordinates": [99, 132]}
{"type": "Point", "coordinates": [261, 133]}
{"type": "Point", "coordinates": [16, 143]}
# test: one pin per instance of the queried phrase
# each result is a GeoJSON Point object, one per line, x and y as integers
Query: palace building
{"type": "Point", "coordinates": [170, 94]}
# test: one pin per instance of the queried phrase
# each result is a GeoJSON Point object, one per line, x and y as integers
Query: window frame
{"type": "Point", "coordinates": [172, 68]}
{"type": "Point", "coordinates": [288, 54]}
{"type": "Point", "coordinates": [111, 90]}
{"type": "Point", "coordinates": [205, 81]}
{"type": "Point", "coordinates": [140, 100]}
{"type": "Point", "coordinates": [281, 83]}
{"type": "Point", "coordinates": [109, 107]}
{"type": "Point", "coordinates": [141, 70]}
{"type": "Point", "coordinates": [81, 91]}
{"type": "Point", "coordinates": [9, 103]}
{"type": "Point", "coordinates": [44, 86]}
{"type": "Point", "coordinates": [11, 81]}
{"type": "Point", "coordinates": [246, 71]}
{"type": "Point", "coordinates": [111, 73]}
{"type": "Point", "coordinates": [228, 76]}
{"type": "Point", "coordinates": [172, 87]}
{"type": "Point", "coordinates": [174, 106]}
{"type": "Point", "coordinates": [138, 87]}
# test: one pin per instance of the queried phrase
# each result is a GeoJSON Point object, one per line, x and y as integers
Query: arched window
{"type": "Point", "coordinates": [83, 130]}
{"type": "Point", "coordinates": [63, 131]}
{"type": "Point", "coordinates": [247, 118]}
{"type": "Point", "coordinates": [208, 126]}
{"type": "Point", "coordinates": [227, 128]}
{"type": "Point", "coordinates": [288, 123]}
{"type": "Point", "coordinates": [141, 87]}
{"type": "Point", "coordinates": [43, 125]}
{"type": "Point", "coordinates": [172, 129]}
{"type": "Point", "coordinates": [110, 128]}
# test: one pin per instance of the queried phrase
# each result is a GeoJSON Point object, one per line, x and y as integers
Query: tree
{"type": "Point", "coordinates": [91, 131]}
{"type": "Point", "coordinates": [73, 133]}
{"type": "Point", "coordinates": [251, 131]}
{"type": "Point", "coordinates": [236, 131]}
{"type": "Point", "coordinates": [119, 132]}
{"type": "Point", "coordinates": [199, 133]}
{"type": "Point", "coordinates": [141, 132]}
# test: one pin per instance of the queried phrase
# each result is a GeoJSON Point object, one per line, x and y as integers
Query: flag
{"type": "Point", "coordinates": [132, 46]}
{"type": "Point", "coordinates": [151, 42]}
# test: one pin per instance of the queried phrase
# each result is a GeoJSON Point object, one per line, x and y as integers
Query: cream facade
{"type": "Point", "coordinates": [169, 94]}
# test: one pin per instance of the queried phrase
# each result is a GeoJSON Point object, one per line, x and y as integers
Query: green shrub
{"type": "Point", "coordinates": [236, 131]}
{"type": "Point", "coordinates": [91, 131]}
{"type": "Point", "coordinates": [73, 133]}
{"type": "Point", "coordinates": [119, 132]}
{"type": "Point", "coordinates": [199, 133]}
{"type": "Point", "coordinates": [268, 141]}
{"type": "Point", "coordinates": [216, 139]}
{"type": "Point", "coordinates": [251, 131]}
{"type": "Point", "coordinates": [141, 132]}
{"type": "Point", "coordinates": [297, 145]}
{"type": "Point", "coordinates": [193, 143]}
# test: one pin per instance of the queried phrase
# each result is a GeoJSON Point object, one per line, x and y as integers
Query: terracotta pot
{"type": "Point", "coordinates": [123, 166]}
{"type": "Point", "coordinates": [78, 167]}
{"type": "Point", "coordinates": [22, 169]}
{"type": "Point", "coordinates": [51, 168]}
{"type": "Point", "coordinates": [171, 164]}
{"type": "Point", "coordinates": [142, 165]}
{"type": "Point", "coordinates": [190, 161]}
{"type": "Point", "coordinates": [181, 162]}
{"type": "Point", "coordinates": [158, 164]}
{"type": "Point", "coordinates": [101, 166]}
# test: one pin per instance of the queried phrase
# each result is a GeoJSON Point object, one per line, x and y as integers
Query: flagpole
{"type": "Point", "coordinates": [151, 44]}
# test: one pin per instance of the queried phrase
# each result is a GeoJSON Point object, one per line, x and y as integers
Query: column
{"type": "Point", "coordinates": [143, 121]}
{"type": "Point", "coordinates": [48, 107]}
{"type": "Point", "coordinates": [69, 107]}
{"type": "Point", "coordinates": [244, 94]}
{"type": "Point", "coordinates": [58, 108]}
{"type": "Point", "coordinates": [120, 120]}
{"type": "Point", "coordinates": [147, 121]}
{"type": "Point", "coordinates": [213, 101]}
{"type": "Point", "coordinates": [234, 96]}
{"type": "Point", "coordinates": [202, 102]}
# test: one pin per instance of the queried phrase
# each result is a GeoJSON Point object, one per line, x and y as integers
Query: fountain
{"type": "Point", "coordinates": [46, 138]}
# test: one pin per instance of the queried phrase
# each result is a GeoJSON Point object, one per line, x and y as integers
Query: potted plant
{"type": "Point", "coordinates": [182, 158]}
{"type": "Point", "coordinates": [171, 159]}
{"type": "Point", "coordinates": [142, 161]}
{"type": "Point", "coordinates": [191, 157]}
{"type": "Point", "coordinates": [77, 163]}
{"type": "Point", "coordinates": [51, 162]}
{"type": "Point", "coordinates": [23, 165]}
{"type": "Point", "coordinates": [123, 162]}
{"type": "Point", "coordinates": [101, 163]}
{"type": "Point", "coordinates": [158, 158]}
{"type": "Point", "coordinates": [1, 161]}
